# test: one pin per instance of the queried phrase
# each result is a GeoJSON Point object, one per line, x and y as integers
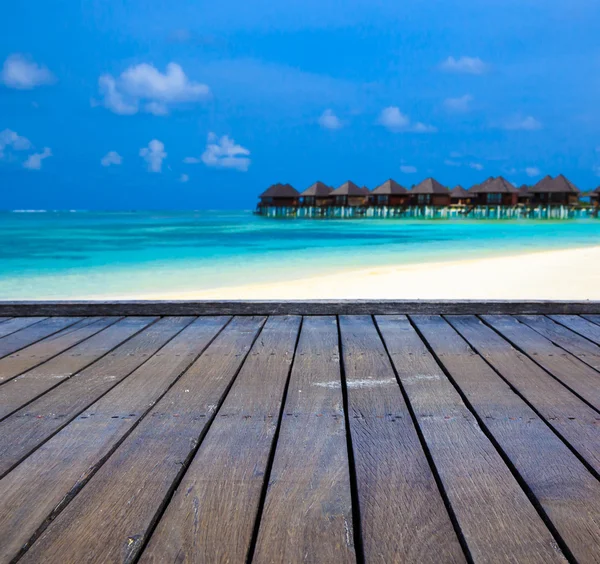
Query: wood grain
{"type": "Point", "coordinates": [211, 516]}
{"type": "Point", "coordinates": [41, 351]}
{"type": "Point", "coordinates": [568, 494]}
{"type": "Point", "coordinates": [496, 518]}
{"type": "Point", "coordinates": [25, 429]}
{"type": "Point", "coordinates": [403, 516]}
{"type": "Point", "coordinates": [307, 515]}
{"type": "Point", "coordinates": [576, 422]}
{"type": "Point", "coordinates": [46, 481]}
{"type": "Point", "coordinates": [108, 521]}
{"type": "Point", "coordinates": [11, 325]}
{"type": "Point", "coordinates": [576, 375]}
{"type": "Point", "coordinates": [32, 333]}
{"type": "Point", "coordinates": [584, 327]}
{"type": "Point", "coordinates": [297, 307]}
{"type": "Point", "coordinates": [570, 341]}
{"type": "Point", "coordinates": [24, 388]}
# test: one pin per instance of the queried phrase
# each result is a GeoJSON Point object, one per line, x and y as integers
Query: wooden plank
{"type": "Point", "coordinates": [17, 323]}
{"type": "Point", "coordinates": [27, 428]}
{"type": "Point", "coordinates": [29, 335]}
{"type": "Point", "coordinates": [593, 318]}
{"type": "Point", "coordinates": [572, 342]}
{"type": "Point", "coordinates": [41, 351]}
{"type": "Point", "coordinates": [580, 325]}
{"type": "Point", "coordinates": [576, 375]}
{"type": "Point", "coordinates": [307, 515]}
{"type": "Point", "coordinates": [108, 521]}
{"type": "Point", "coordinates": [568, 494]}
{"type": "Point", "coordinates": [46, 481]}
{"type": "Point", "coordinates": [576, 422]}
{"type": "Point", "coordinates": [25, 388]}
{"type": "Point", "coordinates": [298, 307]}
{"type": "Point", "coordinates": [212, 515]}
{"type": "Point", "coordinates": [403, 516]}
{"type": "Point", "coordinates": [495, 516]}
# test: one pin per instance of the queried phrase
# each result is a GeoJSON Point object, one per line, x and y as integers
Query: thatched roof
{"type": "Point", "coordinates": [317, 189]}
{"type": "Point", "coordinates": [524, 191]}
{"type": "Point", "coordinates": [493, 185]}
{"type": "Point", "coordinates": [389, 188]}
{"type": "Point", "coordinates": [595, 193]}
{"type": "Point", "coordinates": [459, 192]}
{"type": "Point", "coordinates": [349, 189]}
{"type": "Point", "coordinates": [280, 191]}
{"type": "Point", "coordinates": [558, 184]}
{"type": "Point", "coordinates": [429, 186]}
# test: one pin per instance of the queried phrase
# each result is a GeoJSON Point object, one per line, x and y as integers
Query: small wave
{"type": "Point", "coordinates": [29, 211]}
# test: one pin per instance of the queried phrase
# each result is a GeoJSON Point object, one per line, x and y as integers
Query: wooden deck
{"type": "Point", "coordinates": [290, 438]}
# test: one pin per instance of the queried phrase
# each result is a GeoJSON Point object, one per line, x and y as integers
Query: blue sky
{"type": "Point", "coordinates": [193, 104]}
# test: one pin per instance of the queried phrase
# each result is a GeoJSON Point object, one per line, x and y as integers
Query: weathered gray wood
{"type": "Point", "coordinates": [307, 515]}
{"type": "Point", "coordinates": [403, 516]}
{"type": "Point", "coordinates": [45, 482]}
{"type": "Point", "coordinates": [23, 389]}
{"type": "Point", "coordinates": [25, 429]}
{"type": "Point", "coordinates": [109, 520]}
{"type": "Point", "coordinates": [9, 325]}
{"type": "Point", "coordinates": [574, 420]}
{"type": "Point", "coordinates": [46, 349]}
{"type": "Point", "coordinates": [35, 332]}
{"type": "Point", "coordinates": [572, 342]}
{"type": "Point", "coordinates": [593, 318]}
{"type": "Point", "coordinates": [576, 375]}
{"type": "Point", "coordinates": [297, 307]}
{"type": "Point", "coordinates": [211, 516]}
{"type": "Point", "coordinates": [496, 518]}
{"type": "Point", "coordinates": [567, 492]}
{"type": "Point", "coordinates": [584, 327]}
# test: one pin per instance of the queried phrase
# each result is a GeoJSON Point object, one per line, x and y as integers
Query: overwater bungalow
{"type": "Point", "coordinates": [390, 193]}
{"type": "Point", "coordinates": [460, 197]}
{"type": "Point", "coordinates": [317, 195]}
{"type": "Point", "coordinates": [524, 195]}
{"type": "Point", "coordinates": [495, 192]}
{"type": "Point", "coordinates": [429, 193]}
{"type": "Point", "coordinates": [557, 191]}
{"type": "Point", "coordinates": [349, 194]}
{"type": "Point", "coordinates": [279, 195]}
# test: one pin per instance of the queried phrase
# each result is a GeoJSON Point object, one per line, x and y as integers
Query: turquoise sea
{"type": "Point", "coordinates": [79, 255]}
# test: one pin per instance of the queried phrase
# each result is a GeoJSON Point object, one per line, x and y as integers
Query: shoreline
{"type": "Point", "coordinates": [568, 274]}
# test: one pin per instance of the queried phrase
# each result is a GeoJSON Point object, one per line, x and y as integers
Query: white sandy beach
{"type": "Point", "coordinates": [572, 274]}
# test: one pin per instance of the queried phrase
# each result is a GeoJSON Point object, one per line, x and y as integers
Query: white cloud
{"type": "Point", "coordinates": [144, 88]}
{"type": "Point", "coordinates": [34, 162]}
{"type": "Point", "coordinates": [466, 65]}
{"type": "Point", "coordinates": [224, 153]}
{"type": "Point", "coordinates": [407, 169]}
{"type": "Point", "coordinates": [111, 158]}
{"type": "Point", "coordinates": [21, 73]}
{"type": "Point", "coordinates": [528, 123]}
{"type": "Point", "coordinates": [184, 178]}
{"type": "Point", "coordinates": [459, 105]}
{"type": "Point", "coordinates": [329, 120]}
{"type": "Point", "coordinates": [476, 166]}
{"type": "Point", "coordinates": [532, 171]}
{"type": "Point", "coordinates": [154, 154]}
{"type": "Point", "coordinates": [455, 155]}
{"type": "Point", "coordinates": [394, 120]}
{"type": "Point", "coordinates": [449, 162]}
{"type": "Point", "coordinates": [12, 140]}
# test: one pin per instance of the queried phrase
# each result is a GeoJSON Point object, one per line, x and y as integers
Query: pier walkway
{"type": "Point", "coordinates": [300, 432]}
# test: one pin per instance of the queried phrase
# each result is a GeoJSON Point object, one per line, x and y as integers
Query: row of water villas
{"type": "Point", "coordinates": [550, 198]}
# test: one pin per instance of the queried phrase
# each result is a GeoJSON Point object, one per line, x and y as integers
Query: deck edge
{"type": "Point", "coordinates": [295, 307]}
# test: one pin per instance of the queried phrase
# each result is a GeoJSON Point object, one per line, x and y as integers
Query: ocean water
{"type": "Point", "coordinates": [86, 255]}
